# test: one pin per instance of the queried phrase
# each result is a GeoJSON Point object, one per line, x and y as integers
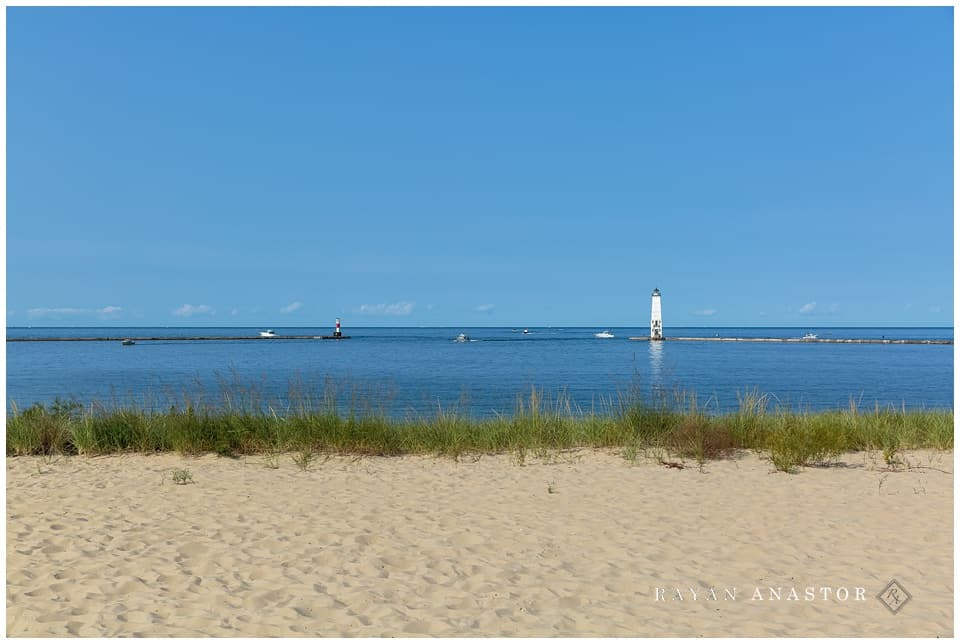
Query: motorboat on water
{"type": "Point", "coordinates": [268, 334]}
{"type": "Point", "coordinates": [809, 336]}
{"type": "Point", "coordinates": [127, 342]}
{"type": "Point", "coordinates": [604, 334]}
{"type": "Point", "coordinates": [526, 331]}
{"type": "Point", "coordinates": [463, 337]}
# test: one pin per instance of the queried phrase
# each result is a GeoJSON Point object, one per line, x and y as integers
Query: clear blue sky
{"type": "Point", "coordinates": [479, 166]}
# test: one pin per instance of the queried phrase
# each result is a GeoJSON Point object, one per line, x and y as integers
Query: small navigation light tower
{"type": "Point", "coordinates": [656, 320]}
{"type": "Point", "coordinates": [336, 330]}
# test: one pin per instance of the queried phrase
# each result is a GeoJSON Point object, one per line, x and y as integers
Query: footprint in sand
{"type": "Point", "coordinates": [418, 627]}
{"type": "Point", "coordinates": [303, 611]}
{"type": "Point", "coordinates": [192, 549]}
{"type": "Point", "coordinates": [398, 563]}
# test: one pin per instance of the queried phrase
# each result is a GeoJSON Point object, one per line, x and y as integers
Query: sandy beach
{"type": "Point", "coordinates": [581, 544]}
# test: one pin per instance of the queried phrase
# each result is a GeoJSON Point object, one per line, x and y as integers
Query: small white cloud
{"type": "Point", "coordinates": [290, 308]}
{"type": "Point", "coordinates": [106, 311]}
{"type": "Point", "coordinates": [400, 308]}
{"type": "Point", "coordinates": [808, 308]}
{"type": "Point", "coordinates": [397, 308]}
{"type": "Point", "coordinates": [187, 310]}
{"type": "Point", "coordinates": [935, 308]}
{"type": "Point", "coordinates": [485, 308]}
{"type": "Point", "coordinates": [705, 312]}
{"type": "Point", "coordinates": [42, 312]}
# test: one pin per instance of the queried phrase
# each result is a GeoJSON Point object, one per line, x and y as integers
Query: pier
{"type": "Point", "coordinates": [656, 333]}
{"type": "Point", "coordinates": [799, 340]}
{"type": "Point", "coordinates": [193, 338]}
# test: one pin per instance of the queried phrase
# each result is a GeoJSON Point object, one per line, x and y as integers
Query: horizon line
{"type": "Point", "coordinates": [472, 326]}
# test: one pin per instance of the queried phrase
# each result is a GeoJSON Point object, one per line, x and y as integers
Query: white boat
{"type": "Point", "coordinates": [526, 331]}
{"type": "Point", "coordinates": [463, 337]}
{"type": "Point", "coordinates": [604, 334]}
{"type": "Point", "coordinates": [127, 342]}
{"type": "Point", "coordinates": [809, 336]}
{"type": "Point", "coordinates": [268, 334]}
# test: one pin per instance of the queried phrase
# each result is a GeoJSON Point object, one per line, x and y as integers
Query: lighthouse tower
{"type": "Point", "coordinates": [656, 320]}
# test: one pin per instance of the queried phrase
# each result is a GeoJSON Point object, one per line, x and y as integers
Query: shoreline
{"type": "Point", "coordinates": [579, 543]}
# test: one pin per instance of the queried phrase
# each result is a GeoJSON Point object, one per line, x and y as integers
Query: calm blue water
{"type": "Point", "coordinates": [416, 371]}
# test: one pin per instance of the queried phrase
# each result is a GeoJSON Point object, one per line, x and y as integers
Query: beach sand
{"type": "Point", "coordinates": [583, 543]}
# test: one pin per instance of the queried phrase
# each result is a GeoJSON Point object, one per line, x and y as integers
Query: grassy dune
{"type": "Point", "coordinates": [791, 439]}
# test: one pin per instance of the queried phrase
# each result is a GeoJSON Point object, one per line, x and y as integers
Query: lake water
{"type": "Point", "coordinates": [419, 370]}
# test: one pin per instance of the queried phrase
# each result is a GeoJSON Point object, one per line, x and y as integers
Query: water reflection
{"type": "Point", "coordinates": [655, 350]}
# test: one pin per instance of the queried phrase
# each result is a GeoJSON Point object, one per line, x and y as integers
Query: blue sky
{"type": "Point", "coordinates": [479, 166]}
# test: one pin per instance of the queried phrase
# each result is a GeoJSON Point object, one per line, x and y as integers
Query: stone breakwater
{"type": "Point", "coordinates": [177, 338]}
{"type": "Point", "coordinates": [803, 340]}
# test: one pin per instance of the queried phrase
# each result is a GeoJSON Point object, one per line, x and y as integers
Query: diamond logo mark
{"type": "Point", "coordinates": [894, 596]}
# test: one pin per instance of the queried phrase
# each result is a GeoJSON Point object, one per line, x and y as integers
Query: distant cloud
{"type": "Point", "coordinates": [833, 308]}
{"type": "Point", "coordinates": [705, 312]}
{"type": "Point", "coordinates": [290, 308]}
{"type": "Point", "coordinates": [485, 308]}
{"type": "Point", "coordinates": [808, 308]}
{"type": "Point", "coordinates": [397, 308]}
{"type": "Point", "coordinates": [42, 312]}
{"type": "Point", "coordinates": [106, 311]}
{"type": "Point", "coordinates": [187, 310]}
{"type": "Point", "coordinates": [935, 308]}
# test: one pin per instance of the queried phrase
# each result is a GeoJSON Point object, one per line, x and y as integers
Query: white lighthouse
{"type": "Point", "coordinates": [656, 320]}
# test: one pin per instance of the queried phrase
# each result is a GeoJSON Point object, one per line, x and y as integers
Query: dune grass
{"type": "Point", "coordinates": [539, 426]}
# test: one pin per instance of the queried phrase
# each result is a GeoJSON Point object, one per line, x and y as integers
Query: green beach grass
{"type": "Point", "coordinates": [539, 427]}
